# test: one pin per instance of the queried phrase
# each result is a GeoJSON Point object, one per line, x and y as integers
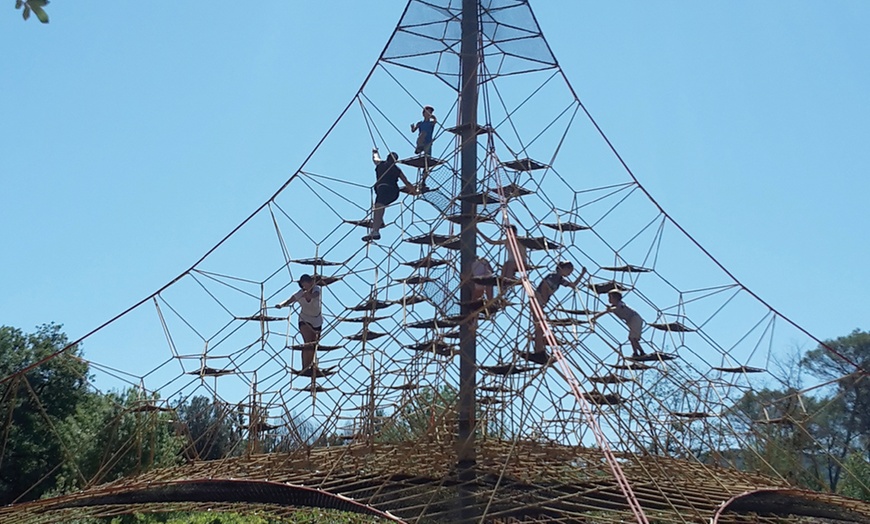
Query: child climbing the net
{"type": "Point", "coordinates": [510, 267]}
{"type": "Point", "coordinates": [481, 268]}
{"type": "Point", "coordinates": [631, 318]}
{"type": "Point", "coordinates": [546, 289]}
{"type": "Point", "coordinates": [425, 130]}
{"type": "Point", "coordinates": [310, 316]}
{"type": "Point", "coordinates": [386, 190]}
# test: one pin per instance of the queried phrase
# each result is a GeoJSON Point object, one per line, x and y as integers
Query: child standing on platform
{"type": "Point", "coordinates": [631, 318]}
{"type": "Point", "coordinates": [310, 316]}
{"type": "Point", "coordinates": [425, 130]}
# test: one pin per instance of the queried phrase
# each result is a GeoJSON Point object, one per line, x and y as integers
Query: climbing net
{"type": "Point", "coordinates": [386, 362]}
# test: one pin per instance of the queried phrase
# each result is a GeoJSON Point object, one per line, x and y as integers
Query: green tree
{"type": "Point", "coordinates": [33, 405]}
{"type": "Point", "coordinates": [295, 434]}
{"type": "Point", "coordinates": [213, 430]}
{"type": "Point", "coordinates": [116, 435]}
{"type": "Point", "coordinates": [856, 480]}
{"type": "Point", "coordinates": [839, 366]}
{"type": "Point", "coordinates": [430, 413]}
{"type": "Point", "coordinates": [849, 402]}
{"type": "Point", "coordinates": [816, 439]}
{"type": "Point", "coordinates": [789, 434]}
{"type": "Point", "coordinates": [33, 6]}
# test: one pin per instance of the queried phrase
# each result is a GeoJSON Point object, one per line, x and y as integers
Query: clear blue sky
{"type": "Point", "coordinates": [135, 135]}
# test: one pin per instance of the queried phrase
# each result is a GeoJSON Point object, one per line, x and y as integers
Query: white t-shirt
{"type": "Point", "coordinates": [310, 311]}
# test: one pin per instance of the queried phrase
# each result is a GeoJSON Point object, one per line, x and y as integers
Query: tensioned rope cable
{"type": "Point", "coordinates": [540, 317]}
{"type": "Point", "coordinates": [281, 189]}
{"type": "Point", "coordinates": [720, 308]}
{"type": "Point", "coordinates": [193, 269]}
{"type": "Point", "coordinates": [549, 334]}
{"type": "Point", "coordinates": [655, 202]}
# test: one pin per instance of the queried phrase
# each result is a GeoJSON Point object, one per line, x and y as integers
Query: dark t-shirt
{"type": "Point", "coordinates": [553, 281]}
{"type": "Point", "coordinates": [388, 174]}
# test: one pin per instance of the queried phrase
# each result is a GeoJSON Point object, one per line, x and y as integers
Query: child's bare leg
{"type": "Point", "coordinates": [635, 346]}
{"type": "Point", "coordinates": [309, 335]}
{"type": "Point", "coordinates": [378, 219]}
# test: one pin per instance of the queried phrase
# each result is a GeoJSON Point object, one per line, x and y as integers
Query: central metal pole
{"type": "Point", "coordinates": [465, 445]}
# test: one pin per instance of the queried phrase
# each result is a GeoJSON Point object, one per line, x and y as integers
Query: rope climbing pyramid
{"type": "Point", "coordinates": [536, 342]}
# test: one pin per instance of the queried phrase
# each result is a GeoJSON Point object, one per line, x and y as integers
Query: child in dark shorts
{"type": "Point", "coordinates": [310, 316]}
{"type": "Point", "coordinates": [386, 190]}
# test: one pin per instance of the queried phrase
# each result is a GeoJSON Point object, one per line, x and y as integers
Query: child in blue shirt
{"type": "Point", "coordinates": [425, 130]}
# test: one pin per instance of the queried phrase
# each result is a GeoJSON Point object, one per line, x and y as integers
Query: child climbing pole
{"type": "Point", "coordinates": [386, 190]}
{"type": "Point", "coordinates": [548, 286]}
{"type": "Point", "coordinates": [631, 317]}
{"type": "Point", "coordinates": [310, 316]}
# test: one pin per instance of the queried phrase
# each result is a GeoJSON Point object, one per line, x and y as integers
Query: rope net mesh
{"type": "Point", "coordinates": [376, 419]}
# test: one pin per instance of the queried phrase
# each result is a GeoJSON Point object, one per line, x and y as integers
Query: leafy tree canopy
{"type": "Point", "coordinates": [33, 6]}
{"type": "Point", "coordinates": [852, 385]}
{"type": "Point", "coordinates": [35, 404]}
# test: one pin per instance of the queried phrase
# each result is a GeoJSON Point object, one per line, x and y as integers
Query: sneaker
{"type": "Point", "coordinates": [369, 238]}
